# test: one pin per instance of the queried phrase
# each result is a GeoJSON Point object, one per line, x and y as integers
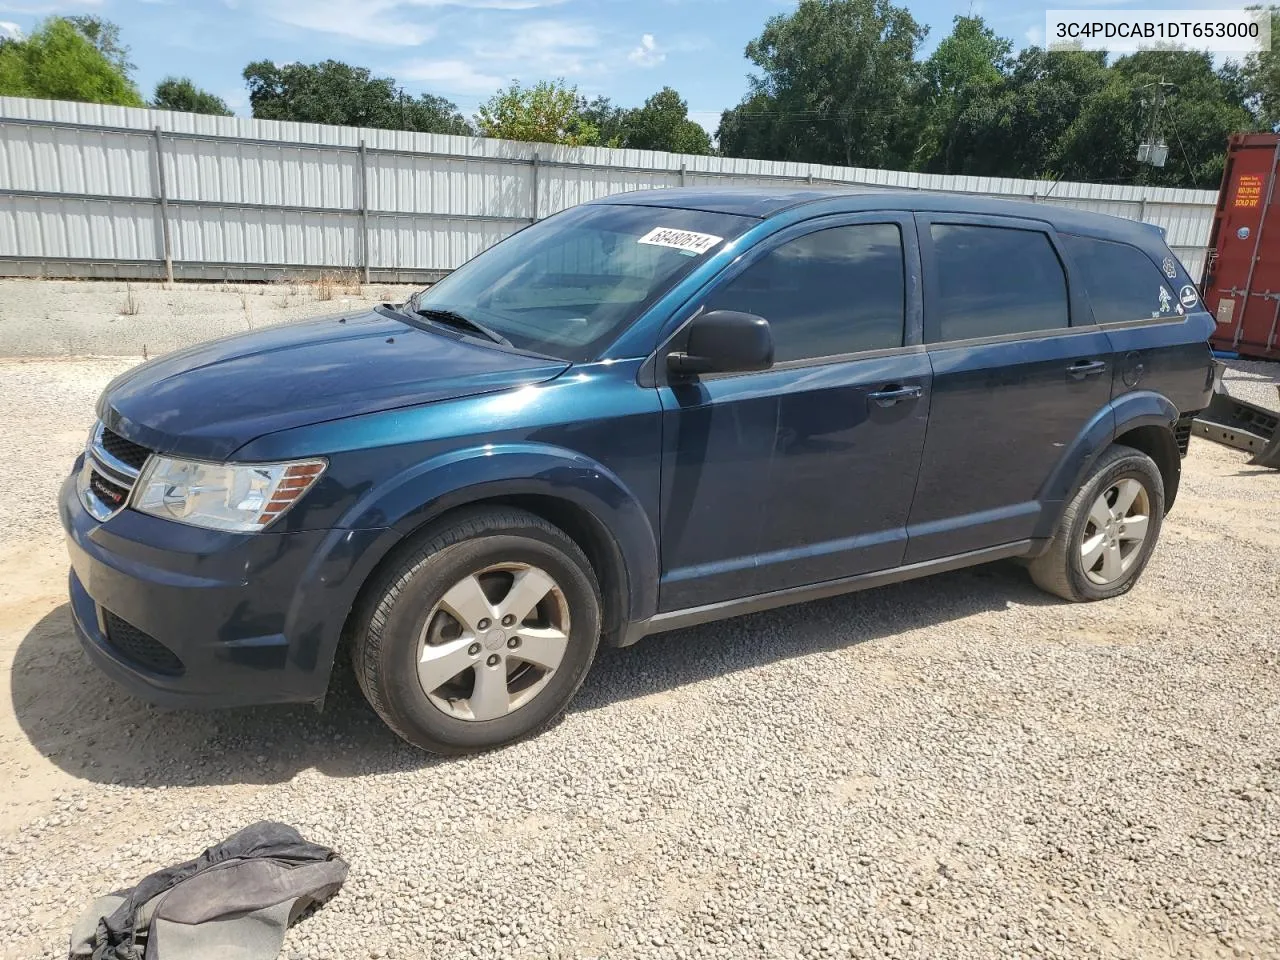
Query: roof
{"type": "Point", "coordinates": [763, 202]}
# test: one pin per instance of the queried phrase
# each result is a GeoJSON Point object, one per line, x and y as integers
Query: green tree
{"type": "Point", "coordinates": [179, 93]}
{"type": "Point", "coordinates": [1194, 116]}
{"type": "Point", "coordinates": [1260, 74]}
{"type": "Point", "coordinates": [1016, 128]}
{"type": "Point", "coordinates": [836, 83]}
{"type": "Point", "coordinates": [609, 120]}
{"type": "Point", "coordinates": [104, 35]}
{"type": "Point", "coordinates": [968, 66]}
{"type": "Point", "coordinates": [663, 124]}
{"type": "Point", "coordinates": [337, 93]}
{"type": "Point", "coordinates": [548, 112]}
{"type": "Point", "coordinates": [58, 62]}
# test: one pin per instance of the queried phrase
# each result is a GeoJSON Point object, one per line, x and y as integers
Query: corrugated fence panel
{"type": "Point", "coordinates": [275, 237]}
{"type": "Point", "coordinates": [228, 171]}
{"type": "Point", "coordinates": [420, 183]}
{"type": "Point", "coordinates": [256, 198]}
{"type": "Point", "coordinates": [59, 160]}
{"type": "Point", "coordinates": [405, 243]}
{"type": "Point", "coordinates": [45, 228]}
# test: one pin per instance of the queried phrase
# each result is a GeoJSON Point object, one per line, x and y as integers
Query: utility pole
{"type": "Point", "coordinates": [1153, 150]}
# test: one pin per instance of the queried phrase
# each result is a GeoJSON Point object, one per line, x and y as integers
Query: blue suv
{"type": "Point", "coordinates": [651, 411]}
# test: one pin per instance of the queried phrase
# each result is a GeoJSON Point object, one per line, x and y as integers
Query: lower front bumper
{"type": "Point", "coordinates": [238, 619]}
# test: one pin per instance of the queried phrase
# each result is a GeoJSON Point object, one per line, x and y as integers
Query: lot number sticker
{"type": "Point", "coordinates": [686, 241]}
{"type": "Point", "coordinates": [1188, 296]}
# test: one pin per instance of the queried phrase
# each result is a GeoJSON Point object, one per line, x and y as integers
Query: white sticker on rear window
{"type": "Point", "coordinates": [684, 240]}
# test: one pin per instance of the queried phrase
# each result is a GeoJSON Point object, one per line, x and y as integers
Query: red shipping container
{"type": "Point", "coordinates": [1241, 283]}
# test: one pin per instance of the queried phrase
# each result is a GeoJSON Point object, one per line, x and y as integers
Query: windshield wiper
{"type": "Point", "coordinates": [454, 319]}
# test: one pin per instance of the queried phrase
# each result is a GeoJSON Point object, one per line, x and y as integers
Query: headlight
{"type": "Point", "coordinates": [244, 497]}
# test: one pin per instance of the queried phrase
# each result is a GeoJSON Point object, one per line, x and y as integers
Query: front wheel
{"type": "Point", "coordinates": [1108, 530]}
{"type": "Point", "coordinates": [481, 635]}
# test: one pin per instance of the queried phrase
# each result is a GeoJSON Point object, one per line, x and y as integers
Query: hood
{"type": "Point", "coordinates": [207, 401]}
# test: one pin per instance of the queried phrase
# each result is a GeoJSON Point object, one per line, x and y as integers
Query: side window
{"type": "Point", "coordinates": [839, 290]}
{"type": "Point", "coordinates": [1122, 282]}
{"type": "Point", "coordinates": [995, 281]}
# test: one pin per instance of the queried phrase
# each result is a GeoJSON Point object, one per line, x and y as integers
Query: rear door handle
{"type": "Point", "coordinates": [893, 393]}
{"type": "Point", "coordinates": [1086, 368]}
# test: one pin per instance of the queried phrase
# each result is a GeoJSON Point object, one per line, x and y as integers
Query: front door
{"type": "Point", "coordinates": [1019, 371]}
{"type": "Point", "coordinates": [805, 472]}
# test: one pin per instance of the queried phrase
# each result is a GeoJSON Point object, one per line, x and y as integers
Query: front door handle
{"type": "Point", "coordinates": [893, 393]}
{"type": "Point", "coordinates": [1086, 368]}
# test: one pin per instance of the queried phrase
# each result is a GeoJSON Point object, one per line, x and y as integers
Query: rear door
{"type": "Point", "coordinates": [1019, 370]}
{"type": "Point", "coordinates": [1152, 316]}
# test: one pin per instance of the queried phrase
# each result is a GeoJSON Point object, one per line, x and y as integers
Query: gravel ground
{"type": "Point", "coordinates": [1253, 381]}
{"type": "Point", "coordinates": [957, 767]}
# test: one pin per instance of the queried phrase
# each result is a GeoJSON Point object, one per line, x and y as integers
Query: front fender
{"type": "Point", "coordinates": [424, 491]}
{"type": "Point", "coordinates": [1140, 408]}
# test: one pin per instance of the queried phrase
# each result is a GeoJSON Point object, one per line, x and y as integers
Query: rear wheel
{"type": "Point", "coordinates": [481, 635]}
{"type": "Point", "coordinates": [1107, 532]}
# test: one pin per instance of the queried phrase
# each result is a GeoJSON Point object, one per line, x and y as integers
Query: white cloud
{"type": "Point", "coordinates": [647, 54]}
{"type": "Point", "coordinates": [375, 22]}
{"type": "Point", "coordinates": [540, 49]}
{"type": "Point", "coordinates": [1035, 36]}
{"type": "Point", "coordinates": [10, 30]}
{"type": "Point", "coordinates": [449, 76]}
{"type": "Point", "coordinates": [44, 7]}
{"type": "Point", "coordinates": [392, 23]}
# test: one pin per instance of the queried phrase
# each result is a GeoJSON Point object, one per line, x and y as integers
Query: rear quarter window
{"type": "Point", "coordinates": [1122, 283]}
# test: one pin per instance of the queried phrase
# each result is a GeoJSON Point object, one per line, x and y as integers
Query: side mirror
{"type": "Point", "coordinates": [725, 341]}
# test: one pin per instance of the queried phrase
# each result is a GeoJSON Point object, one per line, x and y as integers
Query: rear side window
{"type": "Point", "coordinates": [1122, 282]}
{"type": "Point", "coordinates": [831, 292]}
{"type": "Point", "coordinates": [995, 281]}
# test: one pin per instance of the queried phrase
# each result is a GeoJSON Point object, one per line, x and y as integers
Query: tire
{"type": "Point", "coordinates": [1065, 570]}
{"type": "Point", "coordinates": [426, 612]}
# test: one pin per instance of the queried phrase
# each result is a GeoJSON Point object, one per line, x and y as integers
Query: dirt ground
{"type": "Point", "coordinates": [954, 767]}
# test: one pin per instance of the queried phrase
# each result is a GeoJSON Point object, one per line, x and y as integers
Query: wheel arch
{"type": "Point", "coordinates": [581, 497]}
{"type": "Point", "coordinates": [1158, 442]}
{"type": "Point", "coordinates": [1141, 419]}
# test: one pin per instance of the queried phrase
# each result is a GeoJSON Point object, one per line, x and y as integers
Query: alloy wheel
{"type": "Point", "coordinates": [493, 641]}
{"type": "Point", "coordinates": [1115, 531]}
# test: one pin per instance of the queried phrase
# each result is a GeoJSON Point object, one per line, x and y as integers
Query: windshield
{"type": "Point", "coordinates": [568, 286]}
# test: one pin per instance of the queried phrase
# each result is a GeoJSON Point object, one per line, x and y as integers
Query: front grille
{"type": "Point", "coordinates": [126, 451]}
{"type": "Point", "coordinates": [1182, 432]}
{"type": "Point", "coordinates": [111, 468]}
{"type": "Point", "coordinates": [111, 494]}
{"type": "Point", "coordinates": [140, 648]}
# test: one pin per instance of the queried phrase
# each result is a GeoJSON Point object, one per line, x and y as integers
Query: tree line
{"type": "Point", "coordinates": [834, 81]}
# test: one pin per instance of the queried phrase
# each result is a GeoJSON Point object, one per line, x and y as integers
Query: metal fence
{"type": "Point", "coordinates": [88, 190]}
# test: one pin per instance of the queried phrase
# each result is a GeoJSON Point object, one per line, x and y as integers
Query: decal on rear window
{"type": "Point", "coordinates": [1188, 296]}
{"type": "Point", "coordinates": [686, 241]}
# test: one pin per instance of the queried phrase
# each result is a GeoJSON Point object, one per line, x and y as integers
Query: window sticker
{"type": "Point", "coordinates": [1170, 270]}
{"type": "Point", "coordinates": [1166, 301]}
{"type": "Point", "coordinates": [1188, 296]}
{"type": "Point", "coordinates": [686, 241]}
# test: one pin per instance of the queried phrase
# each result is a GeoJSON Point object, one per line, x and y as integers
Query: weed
{"type": "Point", "coordinates": [130, 307]}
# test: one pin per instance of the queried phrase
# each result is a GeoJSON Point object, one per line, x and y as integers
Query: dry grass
{"type": "Point", "coordinates": [130, 307]}
{"type": "Point", "coordinates": [338, 282]}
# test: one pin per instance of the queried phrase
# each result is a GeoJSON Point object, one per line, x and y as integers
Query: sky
{"type": "Point", "coordinates": [465, 49]}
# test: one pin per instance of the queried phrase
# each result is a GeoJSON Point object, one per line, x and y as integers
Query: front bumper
{"type": "Point", "coordinates": [184, 616]}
